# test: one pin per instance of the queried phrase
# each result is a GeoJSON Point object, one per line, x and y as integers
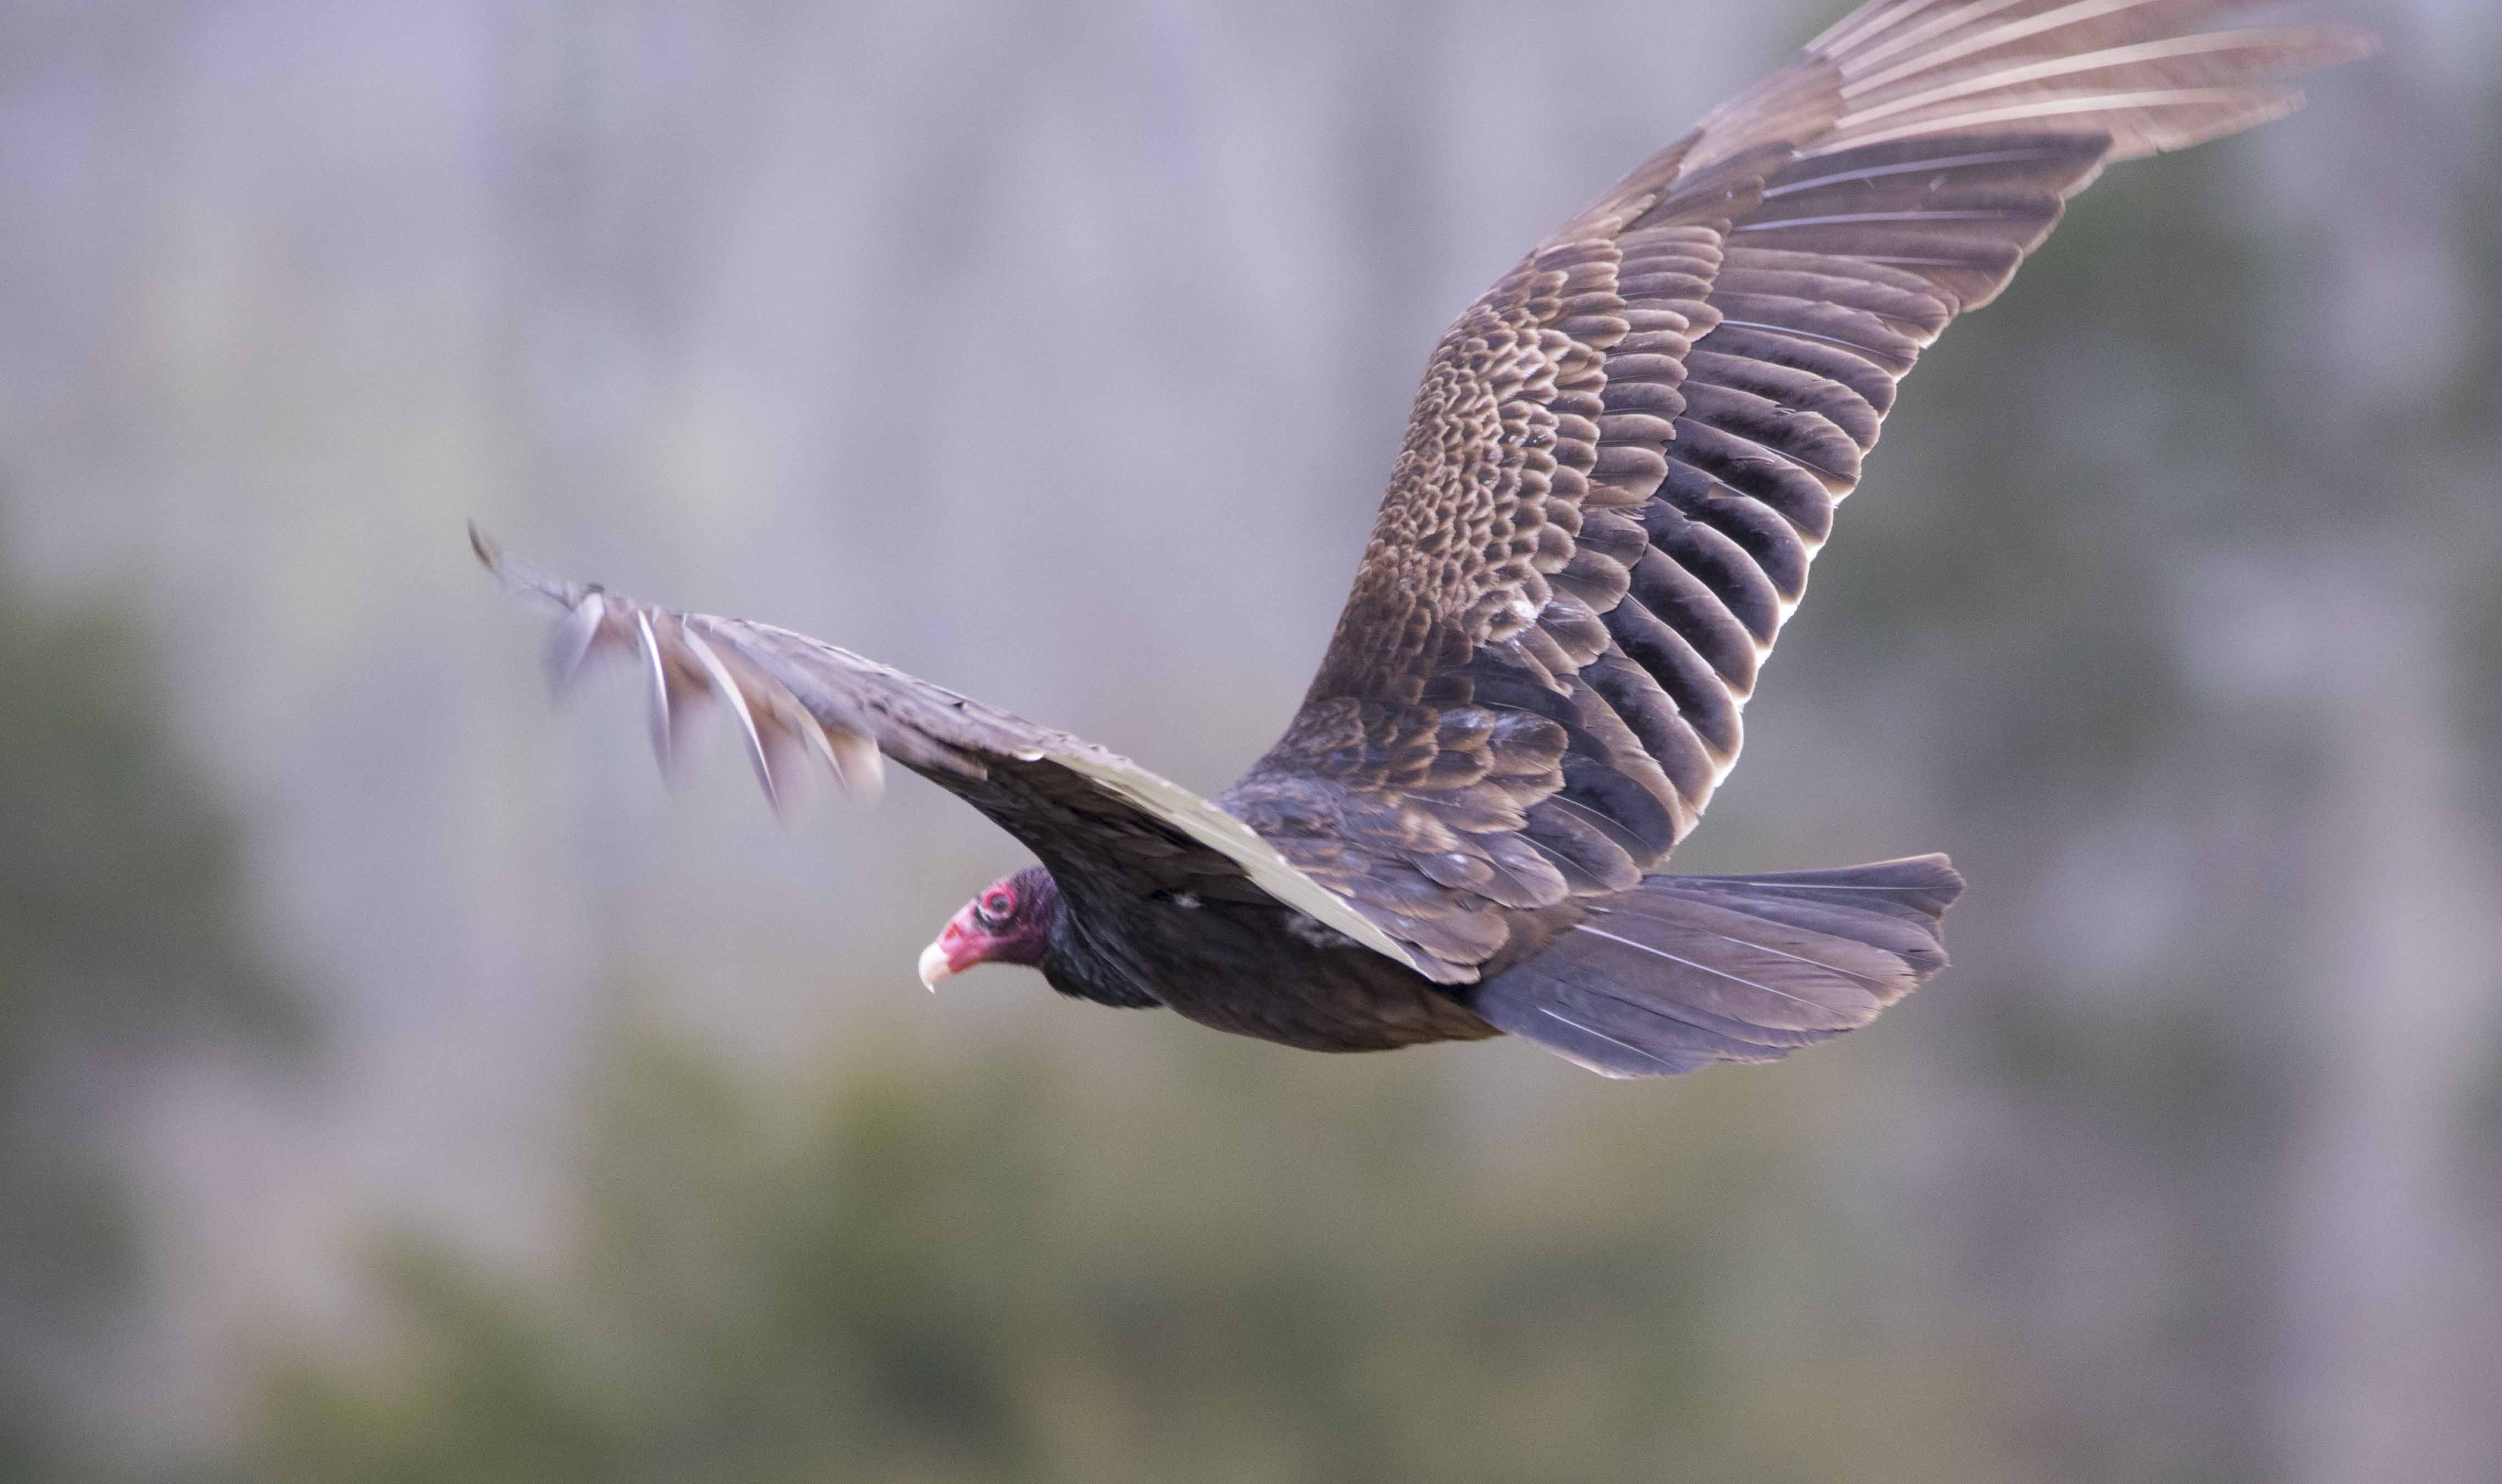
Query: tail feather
{"type": "Point", "coordinates": [1685, 970]}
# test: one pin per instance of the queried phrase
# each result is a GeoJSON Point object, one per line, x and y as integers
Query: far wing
{"type": "Point", "coordinates": [1624, 456]}
{"type": "Point", "coordinates": [799, 703]}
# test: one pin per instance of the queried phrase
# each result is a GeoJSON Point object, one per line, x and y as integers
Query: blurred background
{"type": "Point", "coordinates": [398, 1083]}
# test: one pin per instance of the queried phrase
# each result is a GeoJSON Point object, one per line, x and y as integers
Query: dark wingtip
{"type": "Point", "coordinates": [491, 556]}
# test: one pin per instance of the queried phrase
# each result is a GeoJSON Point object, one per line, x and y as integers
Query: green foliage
{"type": "Point", "coordinates": [122, 932]}
{"type": "Point", "coordinates": [1248, 1268]}
{"type": "Point", "coordinates": [122, 878]}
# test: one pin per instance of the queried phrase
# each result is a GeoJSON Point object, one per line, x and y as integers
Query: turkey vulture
{"type": "Point", "coordinates": [1618, 467]}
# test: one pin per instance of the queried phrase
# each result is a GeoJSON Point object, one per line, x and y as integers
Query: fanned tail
{"type": "Point", "coordinates": [1685, 970]}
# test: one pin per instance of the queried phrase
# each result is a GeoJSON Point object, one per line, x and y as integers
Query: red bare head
{"type": "Point", "coordinates": [1009, 923]}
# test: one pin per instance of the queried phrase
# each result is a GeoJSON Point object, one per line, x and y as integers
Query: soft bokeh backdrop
{"type": "Point", "coordinates": [397, 1083]}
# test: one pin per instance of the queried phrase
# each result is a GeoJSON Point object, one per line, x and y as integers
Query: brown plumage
{"type": "Point", "coordinates": [1620, 463]}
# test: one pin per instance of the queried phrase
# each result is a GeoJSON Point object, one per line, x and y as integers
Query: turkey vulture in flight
{"type": "Point", "coordinates": [1619, 466]}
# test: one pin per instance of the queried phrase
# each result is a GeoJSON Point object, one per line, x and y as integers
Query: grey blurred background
{"type": "Point", "coordinates": [398, 1083]}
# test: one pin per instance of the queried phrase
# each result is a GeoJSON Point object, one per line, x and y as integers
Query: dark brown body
{"type": "Point", "coordinates": [1253, 968]}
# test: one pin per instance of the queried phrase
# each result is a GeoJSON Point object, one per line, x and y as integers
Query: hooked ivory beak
{"type": "Point", "coordinates": [955, 952]}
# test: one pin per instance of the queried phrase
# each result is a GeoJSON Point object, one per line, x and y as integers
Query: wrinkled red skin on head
{"type": "Point", "coordinates": [1021, 936]}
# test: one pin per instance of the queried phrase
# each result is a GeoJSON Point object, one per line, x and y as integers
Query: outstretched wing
{"type": "Point", "coordinates": [1625, 456]}
{"type": "Point", "coordinates": [1098, 820]}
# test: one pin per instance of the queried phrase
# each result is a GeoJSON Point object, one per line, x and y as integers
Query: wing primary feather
{"type": "Point", "coordinates": [1866, 20]}
{"type": "Point", "coordinates": [1926, 163]}
{"type": "Point", "coordinates": [1836, 218]}
{"type": "Point", "coordinates": [656, 675]}
{"type": "Point", "coordinates": [727, 684]}
{"type": "Point", "coordinates": [489, 550]}
{"type": "Point", "coordinates": [812, 734]}
{"type": "Point", "coordinates": [860, 769]}
{"type": "Point", "coordinates": [1964, 15]}
{"type": "Point", "coordinates": [2289, 44]}
{"type": "Point", "coordinates": [569, 642]}
{"type": "Point", "coordinates": [2247, 106]}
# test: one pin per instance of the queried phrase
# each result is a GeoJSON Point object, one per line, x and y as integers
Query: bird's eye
{"type": "Point", "coordinates": [997, 906]}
